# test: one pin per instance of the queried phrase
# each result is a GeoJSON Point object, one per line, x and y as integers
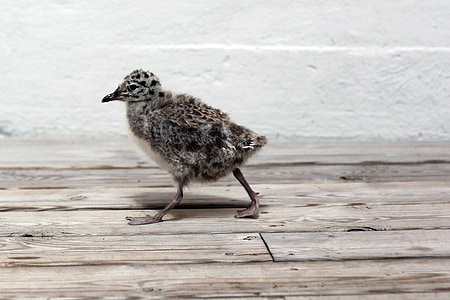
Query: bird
{"type": "Point", "coordinates": [191, 140]}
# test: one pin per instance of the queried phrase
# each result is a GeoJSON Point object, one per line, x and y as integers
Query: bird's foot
{"type": "Point", "coordinates": [250, 212]}
{"type": "Point", "coordinates": [142, 220]}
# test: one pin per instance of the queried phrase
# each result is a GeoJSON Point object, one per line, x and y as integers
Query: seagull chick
{"type": "Point", "coordinates": [186, 137]}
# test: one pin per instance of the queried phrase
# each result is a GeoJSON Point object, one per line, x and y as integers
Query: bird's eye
{"type": "Point", "coordinates": [131, 87]}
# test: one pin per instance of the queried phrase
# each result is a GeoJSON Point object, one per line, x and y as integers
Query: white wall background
{"type": "Point", "coordinates": [344, 69]}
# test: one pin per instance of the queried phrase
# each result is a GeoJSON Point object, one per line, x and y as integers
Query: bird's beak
{"type": "Point", "coordinates": [109, 97]}
{"type": "Point", "coordinates": [117, 95]}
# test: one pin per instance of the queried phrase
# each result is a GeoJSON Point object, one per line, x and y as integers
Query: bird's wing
{"type": "Point", "coordinates": [192, 115]}
{"type": "Point", "coordinates": [192, 128]}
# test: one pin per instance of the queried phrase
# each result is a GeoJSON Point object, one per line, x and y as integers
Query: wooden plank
{"type": "Point", "coordinates": [82, 178]}
{"type": "Point", "coordinates": [269, 174]}
{"type": "Point", "coordinates": [372, 277]}
{"type": "Point", "coordinates": [208, 196]}
{"type": "Point", "coordinates": [380, 296]}
{"type": "Point", "coordinates": [154, 249]}
{"type": "Point", "coordinates": [272, 219]}
{"type": "Point", "coordinates": [304, 246]}
{"type": "Point", "coordinates": [121, 152]}
{"type": "Point", "coordinates": [66, 153]}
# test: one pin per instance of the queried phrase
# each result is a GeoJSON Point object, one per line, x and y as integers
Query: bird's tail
{"type": "Point", "coordinates": [260, 141]}
{"type": "Point", "coordinates": [254, 142]}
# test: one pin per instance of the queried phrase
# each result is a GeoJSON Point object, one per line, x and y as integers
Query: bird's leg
{"type": "Point", "coordinates": [252, 210]}
{"type": "Point", "coordinates": [157, 218]}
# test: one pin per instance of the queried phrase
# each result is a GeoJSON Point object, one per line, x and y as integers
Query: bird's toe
{"type": "Point", "coordinates": [248, 213]}
{"type": "Point", "coordinates": [142, 220]}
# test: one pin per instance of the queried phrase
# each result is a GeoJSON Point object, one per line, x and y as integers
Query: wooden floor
{"type": "Point", "coordinates": [339, 220]}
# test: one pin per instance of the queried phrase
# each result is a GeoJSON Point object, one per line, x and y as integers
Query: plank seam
{"type": "Point", "coordinates": [360, 163]}
{"type": "Point", "coordinates": [267, 246]}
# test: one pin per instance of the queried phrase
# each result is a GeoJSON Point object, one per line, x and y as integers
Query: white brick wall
{"type": "Point", "coordinates": [343, 69]}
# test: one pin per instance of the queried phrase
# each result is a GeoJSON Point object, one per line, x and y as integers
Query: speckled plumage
{"type": "Point", "coordinates": [190, 139]}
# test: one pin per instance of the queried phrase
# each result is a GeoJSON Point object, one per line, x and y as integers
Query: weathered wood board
{"type": "Point", "coordinates": [153, 177]}
{"type": "Point", "coordinates": [361, 244]}
{"type": "Point", "coordinates": [221, 220]}
{"type": "Point", "coordinates": [207, 196]}
{"type": "Point", "coordinates": [109, 249]}
{"type": "Point", "coordinates": [121, 152]}
{"type": "Point", "coordinates": [338, 219]}
{"type": "Point", "coordinates": [392, 278]}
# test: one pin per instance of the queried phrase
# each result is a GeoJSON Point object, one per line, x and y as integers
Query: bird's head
{"type": "Point", "coordinates": [140, 85]}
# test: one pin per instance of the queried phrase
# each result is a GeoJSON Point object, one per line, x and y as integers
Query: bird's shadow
{"type": "Point", "coordinates": [198, 204]}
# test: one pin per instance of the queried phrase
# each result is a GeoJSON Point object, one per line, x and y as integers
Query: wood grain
{"type": "Point", "coordinates": [155, 249]}
{"type": "Point", "coordinates": [338, 219]}
{"type": "Point", "coordinates": [392, 278]}
{"type": "Point", "coordinates": [221, 220]}
{"type": "Point", "coordinates": [121, 152]}
{"type": "Point", "coordinates": [211, 196]}
{"type": "Point", "coordinates": [362, 244]}
{"type": "Point", "coordinates": [153, 177]}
